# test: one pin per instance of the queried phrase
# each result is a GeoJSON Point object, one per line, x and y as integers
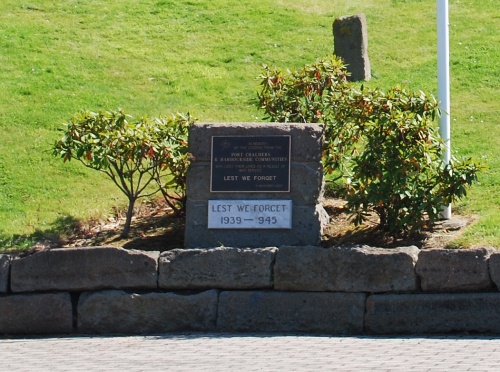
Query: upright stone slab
{"type": "Point", "coordinates": [251, 175]}
{"type": "Point", "coordinates": [351, 44]}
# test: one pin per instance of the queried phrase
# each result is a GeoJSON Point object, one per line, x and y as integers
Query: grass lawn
{"type": "Point", "coordinates": [155, 57]}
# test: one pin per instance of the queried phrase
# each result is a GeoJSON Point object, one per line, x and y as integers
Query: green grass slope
{"type": "Point", "coordinates": [155, 57]}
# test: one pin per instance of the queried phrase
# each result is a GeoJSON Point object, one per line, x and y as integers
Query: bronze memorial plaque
{"type": "Point", "coordinates": [250, 164]}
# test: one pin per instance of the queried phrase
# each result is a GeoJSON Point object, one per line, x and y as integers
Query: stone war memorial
{"type": "Point", "coordinates": [254, 185]}
{"type": "Point", "coordinates": [252, 259]}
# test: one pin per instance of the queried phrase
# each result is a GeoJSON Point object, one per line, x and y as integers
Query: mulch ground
{"type": "Point", "coordinates": [156, 228]}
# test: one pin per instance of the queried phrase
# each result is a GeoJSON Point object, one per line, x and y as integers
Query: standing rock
{"type": "Point", "coordinates": [351, 44]}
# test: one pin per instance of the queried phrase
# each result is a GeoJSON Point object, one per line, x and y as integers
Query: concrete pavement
{"type": "Point", "coordinates": [253, 352]}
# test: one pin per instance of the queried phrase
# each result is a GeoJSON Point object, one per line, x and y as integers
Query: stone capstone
{"type": "Point", "coordinates": [255, 311]}
{"type": "Point", "coordinates": [229, 268]}
{"type": "Point", "coordinates": [87, 268]}
{"type": "Point", "coordinates": [454, 270]}
{"type": "Point", "coordinates": [346, 269]}
{"type": "Point", "coordinates": [122, 312]}
{"type": "Point", "coordinates": [4, 272]}
{"type": "Point", "coordinates": [433, 313]}
{"type": "Point", "coordinates": [36, 314]}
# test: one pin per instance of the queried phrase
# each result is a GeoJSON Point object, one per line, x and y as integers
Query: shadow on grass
{"type": "Point", "coordinates": [56, 235]}
{"type": "Point", "coordinates": [151, 231]}
{"type": "Point", "coordinates": [156, 233]}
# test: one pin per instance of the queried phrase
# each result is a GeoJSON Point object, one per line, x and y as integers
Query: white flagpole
{"type": "Point", "coordinates": [443, 55]}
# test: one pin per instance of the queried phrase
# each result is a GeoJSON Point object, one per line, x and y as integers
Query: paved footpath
{"type": "Point", "coordinates": [216, 352]}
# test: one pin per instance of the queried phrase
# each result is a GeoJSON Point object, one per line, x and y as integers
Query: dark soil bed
{"type": "Point", "coordinates": [156, 228]}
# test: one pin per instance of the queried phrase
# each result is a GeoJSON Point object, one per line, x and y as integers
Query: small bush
{"type": "Point", "coordinates": [400, 173]}
{"type": "Point", "coordinates": [385, 145]}
{"type": "Point", "coordinates": [135, 154]}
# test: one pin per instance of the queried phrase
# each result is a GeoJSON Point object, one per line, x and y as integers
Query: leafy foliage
{"type": "Point", "coordinates": [135, 154]}
{"type": "Point", "coordinates": [316, 93]}
{"type": "Point", "coordinates": [384, 144]}
{"type": "Point", "coordinates": [400, 173]}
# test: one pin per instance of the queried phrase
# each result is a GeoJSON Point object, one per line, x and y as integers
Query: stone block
{"type": "Point", "coordinates": [36, 314]}
{"type": "Point", "coordinates": [346, 269]}
{"type": "Point", "coordinates": [307, 139]}
{"type": "Point", "coordinates": [433, 313]}
{"type": "Point", "coordinates": [87, 268]}
{"type": "Point", "coordinates": [351, 44]}
{"type": "Point", "coordinates": [4, 272]}
{"type": "Point", "coordinates": [120, 312]}
{"type": "Point", "coordinates": [454, 270]}
{"type": "Point", "coordinates": [306, 185]}
{"type": "Point", "coordinates": [228, 268]}
{"type": "Point", "coordinates": [249, 311]}
{"type": "Point", "coordinates": [307, 228]}
{"type": "Point", "coordinates": [494, 267]}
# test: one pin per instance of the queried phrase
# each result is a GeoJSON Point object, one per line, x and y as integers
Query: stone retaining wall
{"type": "Point", "coordinates": [355, 290]}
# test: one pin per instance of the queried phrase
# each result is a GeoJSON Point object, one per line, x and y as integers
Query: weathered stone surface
{"type": "Point", "coordinates": [307, 228]}
{"type": "Point", "coordinates": [306, 184]}
{"type": "Point", "coordinates": [36, 314]}
{"type": "Point", "coordinates": [351, 43]}
{"type": "Point", "coordinates": [307, 139]}
{"type": "Point", "coordinates": [306, 188]}
{"type": "Point", "coordinates": [88, 268]}
{"type": "Point", "coordinates": [4, 272]}
{"type": "Point", "coordinates": [442, 270]}
{"type": "Point", "coordinates": [340, 313]}
{"type": "Point", "coordinates": [433, 313]}
{"type": "Point", "coordinates": [132, 313]}
{"type": "Point", "coordinates": [494, 268]}
{"type": "Point", "coordinates": [228, 268]}
{"type": "Point", "coordinates": [349, 269]}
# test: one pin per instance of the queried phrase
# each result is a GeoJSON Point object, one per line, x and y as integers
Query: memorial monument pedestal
{"type": "Point", "coordinates": [254, 185]}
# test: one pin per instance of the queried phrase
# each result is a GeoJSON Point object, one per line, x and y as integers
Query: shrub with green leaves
{"type": "Point", "coordinates": [400, 173]}
{"type": "Point", "coordinates": [384, 144]}
{"type": "Point", "coordinates": [316, 93]}
{"type": "Point", "coordinates": [141, 156]}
